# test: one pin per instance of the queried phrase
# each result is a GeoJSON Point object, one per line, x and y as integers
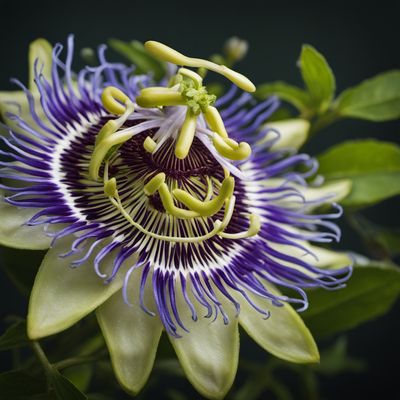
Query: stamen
{"type": "Point", "coordinates": [149, 144]}
{"type": "Point", "coordinates": [207, 208]}
{"type": "Point", "coordinates": [168, 203]}
{"type": "Point", "coordinates": [153, 185]}
{"type": "Point", "coordinates": [110, 187]}
{"type": "Point", "coordinates": [215, 121]}
{"type": "Point", "coordinates": [155, 97]}
{"type": "Point", "coordinates": [186, 135]}
{"type": "Point", "coordinates": [254, 228]}
{"type": "Point", "coordinates": [230, 149]}
{"type": "Point", "coordinates": [107, 140]}
{"type": "Point", "coordinates": [112, 98]}
{"type": "Point", "coordinates": [165, 53]}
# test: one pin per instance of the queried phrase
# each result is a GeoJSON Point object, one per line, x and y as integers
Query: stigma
{"type": "Point", "coordinates": [191, 111]}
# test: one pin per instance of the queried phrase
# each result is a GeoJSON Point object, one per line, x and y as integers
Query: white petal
{"type": "Point", "coordinates": [283, 334]}
{"type": "Point", "coordinates": [41, 50]}
{"type": "Point", "coordinates": [131, 335]}
{"type": "Point", "coordinates": [293, 133]}
{"type": "Point", "coordinates": [62, 295]}
{"type": "Point", "coordinates": [209, 353]}
{"type": "Point", "coordinates": [13, 232]}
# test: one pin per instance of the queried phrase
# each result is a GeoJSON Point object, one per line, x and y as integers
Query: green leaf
{"type": "Point", "coordinates": [381, 242]}
{"type": "Point", "coordinates": [318, 77]}
{"type": "Point", "coordinates": [14, 336]}
{"type": "Point", "coordinates": [64, 389]}
{"type": "Point", "coordinates": [372, 166]}
{"type": "Point", "coordinates": [79, 375]}
{"type": "Point", "coordinates": [335, 360]}
{"type": "Point", "coordinates": [369, 293]}
{"type": "Point", "coordinates": [375, 99]}
{"type": "Point", "coordinates": [136, 53]}
{"type": "Point", "coordinates": [299, 98]}
{"type": "Point", "coordinates": [20, 384]}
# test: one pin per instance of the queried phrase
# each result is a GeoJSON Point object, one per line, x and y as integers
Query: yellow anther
{"type": "Point", "coordinates": [228, 211]}
{"type": "Point", "coordinates": [110, 187]}
{"type": "Point", "coordinates": [214, 121]}
{"type": "Point", "coordinates": [195, 77]}
{"type": "Point", "coordinates": [186, 135]}
{"type": "Point", "coordinates": [254, 228]}
{"type": "Point", "coordinates": [154, 184]}
{"type": "Point", "coordinates": [101, 150]}
{"type": "Point", "coordinates": [112, 99]}
{"type": "Point", "coordinates": [149, 144]}
{"type": "Point", "coordinates": [227, 174]}
{"type": "Point", "coordinates": [165, 53]}
{"type": "Point", "coordinates": [230, 149]}
{"type": "Point", "coordinates": [170, 208]}
{"type": "Point", "coordinates": [107, 130]}
{"type": "Point", "coordinates": [154, 98]}
{"type": "Point", "coordinates": [207, 208]}
{"type": "Point", "coordinates": [210, 189]}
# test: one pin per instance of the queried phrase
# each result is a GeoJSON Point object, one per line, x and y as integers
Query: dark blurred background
{"type": "Point", "coordinates": [359, 39]}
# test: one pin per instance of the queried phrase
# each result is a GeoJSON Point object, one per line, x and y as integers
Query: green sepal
{"type": "Point", "coordinates": [62, 295]}
{"type": "Point", "coordinates": [209, 352]}
{"type": "Point", "coordinates": [283, 334]}
{"type": "Point", "coordinates": [13, 231]}
{"type": "Point", "coordinates": [131, 335]}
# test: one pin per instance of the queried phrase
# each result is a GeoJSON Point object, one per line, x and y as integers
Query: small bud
{"type": "Point", "coordinates": [235, 49]}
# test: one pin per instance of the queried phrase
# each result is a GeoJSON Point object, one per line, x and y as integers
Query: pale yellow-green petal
{"type": "Point", "coordinates": [41, 50]}
{"type": "Point", "coordinates": [293, 133]}
{"type": "Point", "coordinates": [329, 258]}
{"type": "Point", "coordinates": [14, 102]}
{"type": "Point", "coordinates": [283, 334]}
{"type": "Point", "coordinates": [13, 232]}
{"type": "Point", "coordinates": [209, 353]}
{"type": "Point", "coordinates": [62, 295]}
{"type": "Point", "coordinates": [131, 335]}
{"type": "Point", "coordinates": [333, 191]}
{"type": "Point", "coordinates": [314, 255]}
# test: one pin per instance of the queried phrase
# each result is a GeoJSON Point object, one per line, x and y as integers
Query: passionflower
{"type": "Point", "coordinates": [165, 209]}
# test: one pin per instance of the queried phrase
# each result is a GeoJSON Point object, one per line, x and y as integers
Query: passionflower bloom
{"type": "Point", "coordinates": [165, 209]}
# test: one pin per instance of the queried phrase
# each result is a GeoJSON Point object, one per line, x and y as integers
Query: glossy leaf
{"type": "Point", "coordinates": [335, 360]}
{"type": "Point", "coordinates": [64, 389]}
{"type": "Point", "coordinates": [382, 242]}
{"type": "Point", "coordinates": [372, 166]}
{"type": "Point", "coordinates": [369, 293]}
{"type": "Point", "coordinates": [375, 99]}
{"type": "Point", "coordinates": [292, 94]}
{"type": "Point", "coordinates": [318, 77]}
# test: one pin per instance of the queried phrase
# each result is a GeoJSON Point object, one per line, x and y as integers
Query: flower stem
{"type": "Point", "coordinates": [47, 367]}
{"type": "Point", "coordinates": [323, 121]}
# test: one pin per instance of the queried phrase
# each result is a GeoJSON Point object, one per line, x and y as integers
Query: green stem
{"type": "Point", "coordinates": [47, 367]}
{"type": "Point", "coordinates": [71, 362]}
{"type": "Point", "coordinates": [323, 121]}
